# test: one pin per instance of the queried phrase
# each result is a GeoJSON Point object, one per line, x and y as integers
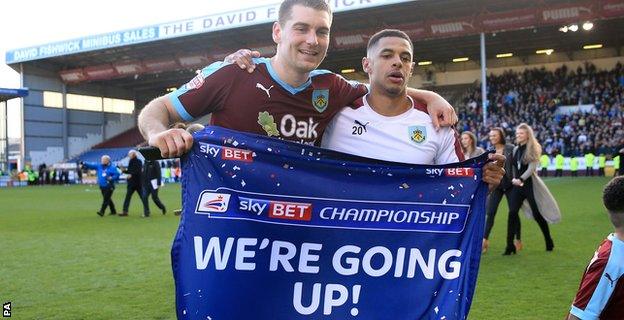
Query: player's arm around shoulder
{"type": "Point", "coordinates": [441, 112]}
{"type": "Point", "coordinates": [200, 96]}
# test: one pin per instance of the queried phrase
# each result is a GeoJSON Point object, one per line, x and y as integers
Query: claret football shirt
{"type": "Point", "coordinates": [601, 292]}
{"type": "Point", "coordinates": [262, 103]}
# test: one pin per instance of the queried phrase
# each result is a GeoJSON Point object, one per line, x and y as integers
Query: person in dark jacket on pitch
{"type": "Point", "coordinates": [152, 178]}
{"type": "Point", "coordinates": [499, 143]}
{"type": "Point", "coordinates": [107, 174]}
{"type": "Point", "coordinates": [134, 170]}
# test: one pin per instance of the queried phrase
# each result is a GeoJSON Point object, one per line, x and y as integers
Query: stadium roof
{"type": "Point", "coordinates": [153, 58]}
{"type": "Point", "coordinates": [8, 94]}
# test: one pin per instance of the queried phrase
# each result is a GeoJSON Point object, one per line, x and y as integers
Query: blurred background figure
{"type": "Point", "coordinates": [177, 171]}
{"type": "Point", "coordinates": [107, 175]}
{"type": "Point", "coordinates": [499, 143]}
{"type": "Point", "coordinates": [152, 179]}
{"type": "Point", "coordinates": [589, 164]}
{"type": "Point", "coordinates": [544, 163]}
{"type": "Point", "coordinates": [42, 173]}
{"type": "Point", "coordinates": [559, 162]}
{"type": "Point", "coordinates": [469, 145]}
{"type": "Point", "coordinates": [618, 163]}
{"type": "Point", "coordinates": [574, 164]}
{"type": "Point", "coordinates": [602, 161]}
{"type": "Point", "coordinates": [134, 171]}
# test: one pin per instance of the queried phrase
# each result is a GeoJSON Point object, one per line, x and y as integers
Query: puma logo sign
{"type": "Point", "coordinates": [359, 128]}
{"type": "Point", "coordinates": [261, 87]}
{"type": "Point", "coordinates": [612, 281]}
{"type": "Point", "coordinates": [362, 125]}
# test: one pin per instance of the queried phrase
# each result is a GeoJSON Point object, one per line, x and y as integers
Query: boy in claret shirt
{"type": "Point", "coordinates": [601, 293]}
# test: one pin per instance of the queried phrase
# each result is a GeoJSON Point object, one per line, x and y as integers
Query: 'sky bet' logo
{"type": "Point", "coordinates": [277, 209]}
{"type": "Point", "coordinates": [451, 172]}
{"type": "Point", "coordinates": [226, 152]}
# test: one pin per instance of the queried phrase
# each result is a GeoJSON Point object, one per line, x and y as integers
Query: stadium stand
{"type": "Point", "coordinates": [128, 138]}
{"type": "Point", "coordinates": [536, 96]}
{"type": "Point", "coordinates": [94, 155]}
{"type": "Point", "coordinates": [116, 147]}
{"type": "Point", "coordinates": [454, 93]}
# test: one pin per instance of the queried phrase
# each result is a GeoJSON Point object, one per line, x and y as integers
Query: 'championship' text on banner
{"type": "Point", "coordinates": [278, 230]}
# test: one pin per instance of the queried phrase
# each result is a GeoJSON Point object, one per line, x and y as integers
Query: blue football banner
{"type": "Point", "coordinates": [279, 230]}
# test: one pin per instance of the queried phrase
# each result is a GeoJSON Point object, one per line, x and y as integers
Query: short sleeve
{"type": "Point", "coordinates": [587, 289]}
{"type": "Point", "coordinates": [450, 149]}
{"type": "Point", "coordinates": [351, 92]}
{"type": "Point", "coordinates": [205, 93]}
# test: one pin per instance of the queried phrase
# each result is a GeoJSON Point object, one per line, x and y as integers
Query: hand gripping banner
{"type": "Point", "coordinates": [278, 230]}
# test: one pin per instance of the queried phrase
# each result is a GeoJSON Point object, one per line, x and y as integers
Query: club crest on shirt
{"type": "Point", "coordinates": [417, 134]}
{"type": "Point", "coordinates": [320, 99]}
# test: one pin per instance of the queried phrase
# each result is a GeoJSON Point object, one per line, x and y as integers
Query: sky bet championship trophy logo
{"type": "Point", "coordinates": [279, 230]}
{"type": "Point", "coordinates": [212, 202]}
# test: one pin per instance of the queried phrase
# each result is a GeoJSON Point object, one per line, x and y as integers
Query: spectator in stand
{"type": "Point", "coordinates": [469, 145]}
{"type": "Point", "coordinates": [540, 93]}
{"type": "Point", "coordinates": [107, 175]}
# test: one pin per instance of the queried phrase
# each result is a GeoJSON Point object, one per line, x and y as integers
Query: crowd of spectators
{"type": "Point", "coordinates": [534, 95]}
{"type": "Point", "coordinates": [170, 171]}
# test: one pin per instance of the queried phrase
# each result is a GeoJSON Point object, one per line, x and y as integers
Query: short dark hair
{"type": "Point", "coordinates": [613, 199]}
{"type": "Point", "coordinates": [285, 8]}
{"type": "Point", "coordinates": [385, 33]}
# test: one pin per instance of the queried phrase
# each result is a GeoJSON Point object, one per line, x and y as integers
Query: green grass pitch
{"type": "Point", "coordinates": [61, 261]}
